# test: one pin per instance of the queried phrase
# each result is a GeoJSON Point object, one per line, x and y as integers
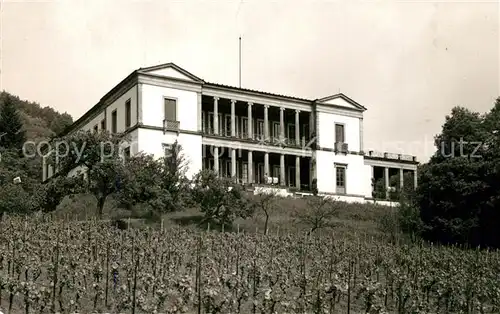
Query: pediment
{"type": "Point", "coordinates": [341, 100]}
{"type": "Point", "coordinates": [171, 70]}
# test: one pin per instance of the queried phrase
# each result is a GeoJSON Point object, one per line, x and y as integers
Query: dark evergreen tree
{"type": "Point", "coordinates": [458, 191]}
{"type": "Point", "coordinates": [12, 133]}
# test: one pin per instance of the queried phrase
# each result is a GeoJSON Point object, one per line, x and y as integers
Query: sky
{"type": "Point", "coordinates": [407, 62]}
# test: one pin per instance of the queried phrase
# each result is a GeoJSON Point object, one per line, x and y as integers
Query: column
{"type": "Point", "coordinates": [282, 123]}
{"type": "Point", "coordinates": [361, 135]}
{"type": "Point", "coordinates": [401, 179]}
{"type": "Point", "coordinates": [216, 115]}
{"type": "Point", "coordinates": [250, 124]}
{"type": "Point", "coordinates": [199, 113]}
{"type": "Point", "coordinates": [139, 103]}
{"type": "Point", "coordinates": [297, 128]}
{"type": "Point", "coordinates": [282, 170]}
{"type": "Point", "coordinates": [250, 166]}
{"type": "Point", "coordinates": [297, 172]}
{"type": "Point", "coordinates": [415, 179]}
{"type": "Point", "coordinates": [233, 119]}
{"type": "Point", "coordinates": [233, 162]}
{"type": "Point", "coordinates": [266, 165]}
{"type": "Point", "coordinates": [216, 160]}
{"type": "Point", "coordinates": [44, 168]}
{"type": "Point", "coordinates": [266, 122]}
{"type": "Point", "coordinates": [386, 178]}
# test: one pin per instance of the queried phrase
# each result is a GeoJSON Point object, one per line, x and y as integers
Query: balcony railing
{"type": "Point", "coordinates": [341, 147]}
{"type": "Point", "coordinates": [393, 156]}
{"type": "Point", "coordinates": [170, 125]}
{"type": "Point", "coordinates": [261, 138]}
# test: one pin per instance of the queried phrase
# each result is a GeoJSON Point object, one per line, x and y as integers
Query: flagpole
{"type": "Point", "coordinates": [240, 62]}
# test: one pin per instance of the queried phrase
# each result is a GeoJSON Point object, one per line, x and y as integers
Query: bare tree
{"type": "Point", "coordinates": [318, 213]}
{"type": "Point", "coordinates": [266, 203]}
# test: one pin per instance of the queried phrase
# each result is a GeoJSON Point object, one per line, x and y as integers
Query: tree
{"type": "Point", "coordinates": [458, 189]}
{"type": "Point", "coordinates": [219, 199]}
{"type": "Point", "coordinates": [48, 196]}
{"type": "Point", "coordinates": [14, 199]}
{"type": "Point", "coordinates": [141, 183]}
{"type": "Point", "coordinates": [379, 190]}
{"type": "Point", "coordinates": [173, 181]}
{"type": "Point", "coordinates": [11, 127]}
{"type": "Point", "coordinates": [266, 203]}
{"type": "Point", "coordinates": [12, 166]}
{"type": "Point", "coordinates": [61, 123]}
{"type": "Point", "coordinates": [161, 184]}
{"type": "Point", "coordinates": [104, 180]}
{"type": "Point", "coordinates": [318, 213]}
{"type": "Point", "coordinates": [97, 156]}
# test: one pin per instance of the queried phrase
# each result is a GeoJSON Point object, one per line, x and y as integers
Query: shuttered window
{"type": "Point", "coordinates": [339, 133]}
{"type": "Point", "coordinates": [170, 109]}
{"type": "Point", "coordinates": [113, 121]}
{"type": "Point", "coordinates": [128, 114]}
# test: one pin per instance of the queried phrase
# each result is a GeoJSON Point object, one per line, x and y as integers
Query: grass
{"type": "Point", "coordinates": [351, 219]}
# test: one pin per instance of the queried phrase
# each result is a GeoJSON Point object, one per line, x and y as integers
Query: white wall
{"type": "Point", "coordinates": [326, 175]}
{"type": "Point", "coordinates": [347, 199]}
{"type": "Point", "coordinates": [119, 105]}
{"type": "Point", "coordinates": [153, 110]}
{"type": "Point", "coordinates": [132, 142]}
{"type": "Point", "coordinates": [367, 187]}
{"type": "Point", "coordinates": [268, 190]}
{"type": "Point", "coordinates": [89, 126]}
{"type": "Point", "coordinates": [326, 130]}
{"type": "Point", "coordinates": [150, 142]}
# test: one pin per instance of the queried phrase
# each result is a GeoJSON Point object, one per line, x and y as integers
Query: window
{"type": "Point", "coordinates": [339, 133]}
{"type": "Point", "coordinates": [96, 128]}
{"type": "Point", "coordinates": [237, 126]}
{"type": "Point", "coordinates": [126, 152]}
{"type": "Point", "coordinates": [260, 174]}
{"type": "Point", "coordinates": [340, 179]}
{"type": "Point", "coordinates": [305, 130]}
{"type": "Point", "coordinates": [128, 114]}
{"type": "Point", "coordinates": [170, 109]}
{"type": "Point", "coordinates": [228, 125]}
{"type": "Point", "coordinates": [210, 123]}
{"type": "Point", "coordinates": [244, 175]}
{"type": "Point", "coordinates": [244, 127]}
{"type": "Point", "coordinates": [167, 150]}
{"type": "Point", "coordinates": [203, 122]}
{"type": "Point", "coordinates": [113, 121]}
{"type": "Point", "coordinates": [291, 176]}
{"type": "Point", "coordinates": [276, 129]}
{"type": "Point", "coordinates": [220, 168]}
{"type": "Point", "coordinates": [260, 129]}
{"type": "Point", "coordinates": [221, 124]}
{"type": "Point", "coordinates": [227, 169]}
{"type": "Point", "coordinates": [103, 124]}
{"type": "Point", "coordinates": [276, 171]}
{"type": "Point", "coordinates": [291, 130]}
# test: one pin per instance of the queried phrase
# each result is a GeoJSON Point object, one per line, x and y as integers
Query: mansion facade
{"type": "Point", "coordinates": [258, 138]}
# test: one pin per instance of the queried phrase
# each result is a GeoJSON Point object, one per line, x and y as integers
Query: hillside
{"type": "Point", "coordinates": [40, 122]}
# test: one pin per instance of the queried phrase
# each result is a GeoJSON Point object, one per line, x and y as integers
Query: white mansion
{"type": "Point", "coordinates": [257, 137]}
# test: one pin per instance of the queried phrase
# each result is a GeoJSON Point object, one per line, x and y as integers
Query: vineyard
{"type": "Point", "coordinates": [84, 267]}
